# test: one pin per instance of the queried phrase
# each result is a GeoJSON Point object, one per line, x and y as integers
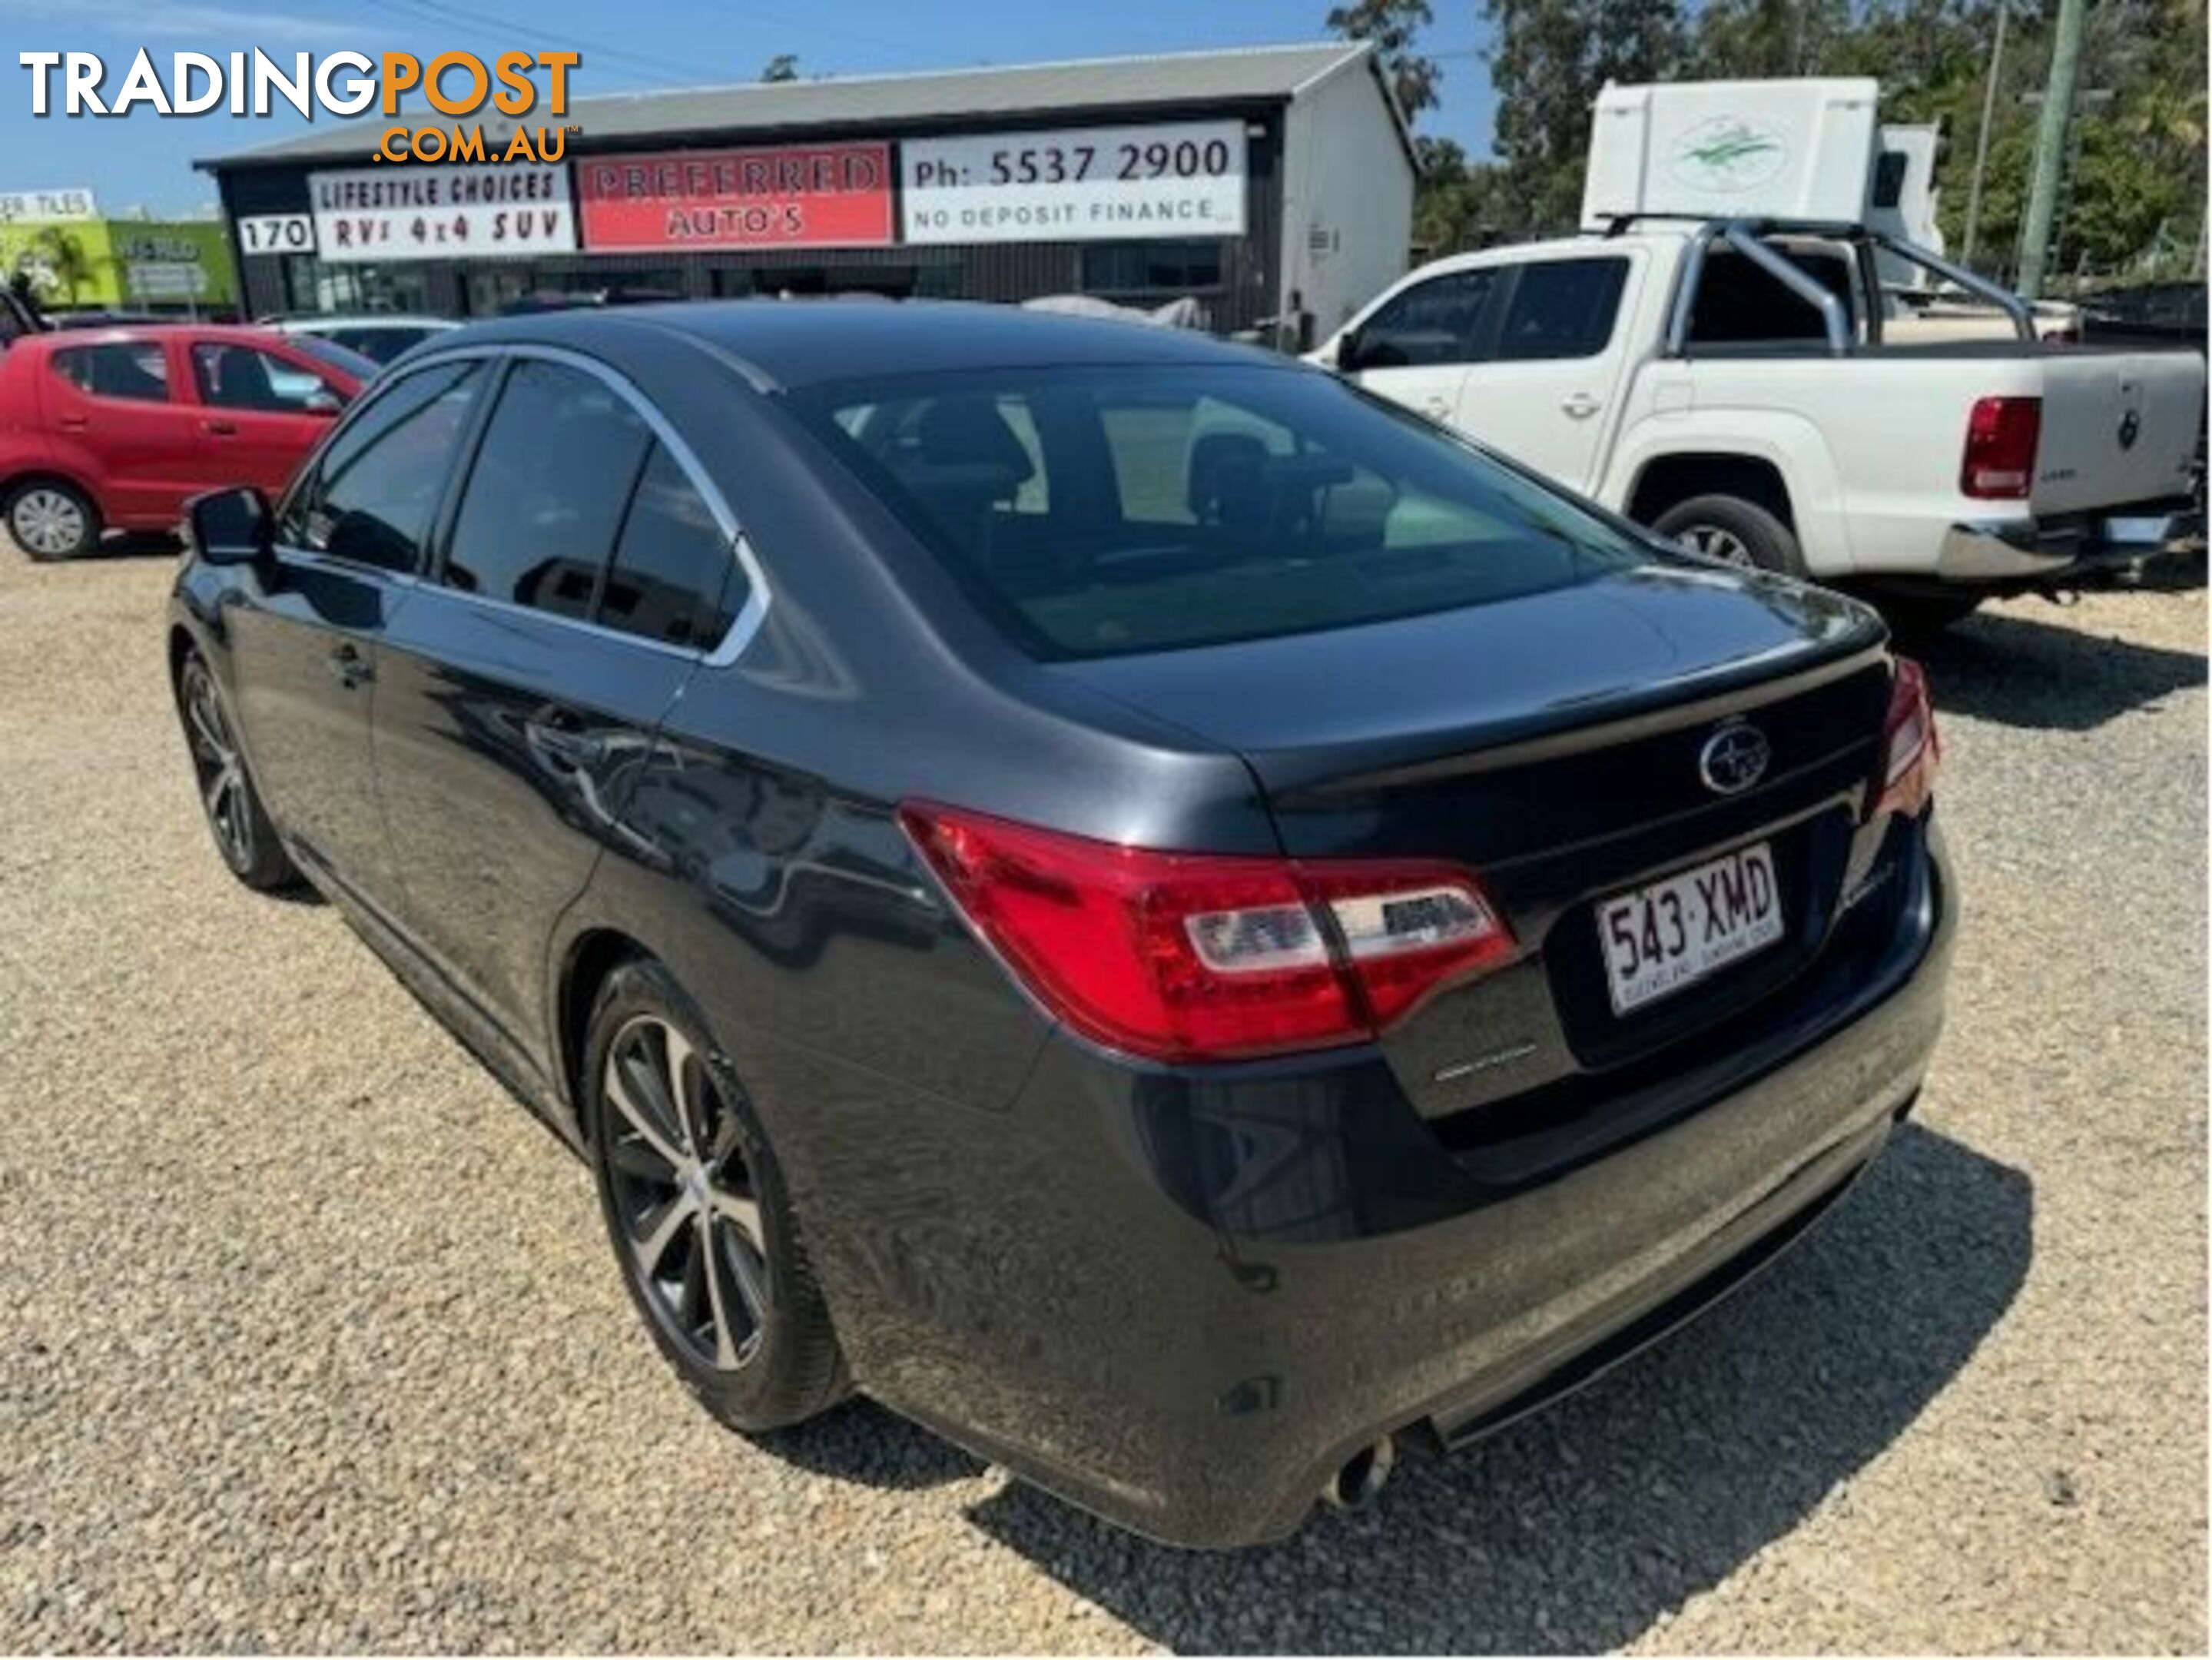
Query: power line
{"type": "Point", "coordinates": [491, 28]}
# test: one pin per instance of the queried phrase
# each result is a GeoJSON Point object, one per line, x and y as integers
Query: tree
{"type": "Point", "coordinates": [1460, 204]}
{"type": "Point", "coordinates": [1548, 62]}
{"type": "Point", "coordinates": [61, 259]}
{"type": "Point", "coordinates": [1392, 25]}
{"type": "Point", "coordinates": [784, 66]}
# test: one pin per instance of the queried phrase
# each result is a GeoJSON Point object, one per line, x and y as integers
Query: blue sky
{"type": "Point", "coordinates": [144, 159]}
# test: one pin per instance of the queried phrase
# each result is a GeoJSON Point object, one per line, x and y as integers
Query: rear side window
{"type": "Point", "coordinates": [545, 498]}
{"type": "Point", "coordinates": [1562, 308]}
{"type": "Point", "coordinates": [674, 578]}
{"type": "Point", "coordinates": [1739, 303]}
{"type": "Point", "coordinates": [371, 494]}
{"type": "Point", "coordinates": [1100, 512]}
{"type": "Point", "coordinates": [1438, 321]}
{"type": "Point", "coordinates": [138, 370]}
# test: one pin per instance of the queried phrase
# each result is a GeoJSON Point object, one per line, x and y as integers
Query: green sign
{"type": "Point", "coordinates": [121, 264]}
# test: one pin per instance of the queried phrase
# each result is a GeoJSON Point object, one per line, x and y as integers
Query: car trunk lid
{"type": "Point", "coordinates": [1553, 744]}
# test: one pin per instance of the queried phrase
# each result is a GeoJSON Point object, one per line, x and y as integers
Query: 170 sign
{"type": "Point", "coordinates": [277, 233]}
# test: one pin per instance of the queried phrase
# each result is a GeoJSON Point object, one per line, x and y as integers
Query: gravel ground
{"type": "Point", "coordinates": [312, 1341]}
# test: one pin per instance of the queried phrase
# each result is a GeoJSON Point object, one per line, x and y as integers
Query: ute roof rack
{"type": "Point", "coordinates": [1743, 237]}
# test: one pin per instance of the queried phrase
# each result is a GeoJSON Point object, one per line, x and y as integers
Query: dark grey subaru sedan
{"type": "Point", "coordinates": [1168, 919]}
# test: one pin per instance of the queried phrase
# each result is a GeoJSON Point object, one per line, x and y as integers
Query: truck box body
{"type": "Point", "coordinates": [1785, 150]}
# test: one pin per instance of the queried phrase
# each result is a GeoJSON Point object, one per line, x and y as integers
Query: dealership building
{"type": "Point", "coordinates": [1266, 183]}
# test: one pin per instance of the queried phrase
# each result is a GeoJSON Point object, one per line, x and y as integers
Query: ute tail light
{"type": "Point", "coordinates": [2001, 432]}
{"type": "Point", "coordinates": [1197, 956]}
{"type": "Point", "coordinates": [1911, 749]}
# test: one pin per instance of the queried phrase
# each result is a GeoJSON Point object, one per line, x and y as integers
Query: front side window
{"type": "Point", "coordinates": [233, 377]}
{"type": "Point", "coordinates": [674, 578]}
{"type": "Point", "coordinates": [1562, 308]}
{"type": "Point", "coordinates": [1438, 321]}
{"type": "Point", "coordinates": [545, 498]}
{"type": "Point", "coordinates": [371, 494]}
{"type": "Point", "coordinates": [1166, 508]}
{"type": "Point", "coordinates": [135, 370]}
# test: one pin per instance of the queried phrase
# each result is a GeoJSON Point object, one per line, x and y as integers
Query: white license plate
{"type": "Point", "coordinates": [1672, 933]}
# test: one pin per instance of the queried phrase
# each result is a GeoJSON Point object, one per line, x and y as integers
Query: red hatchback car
{"type": "Point", "coordinates": [116, 430]}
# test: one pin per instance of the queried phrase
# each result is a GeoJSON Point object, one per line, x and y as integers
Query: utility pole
{"type": "Point", "coordinates": [2050, 145]}
{"type": "Point", "coordinates": [1981, 142]}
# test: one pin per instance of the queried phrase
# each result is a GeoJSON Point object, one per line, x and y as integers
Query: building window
{"type": "Point", "coordinates": [1150, 270]}
{"type": "Point", "coordinates": [311, 285]}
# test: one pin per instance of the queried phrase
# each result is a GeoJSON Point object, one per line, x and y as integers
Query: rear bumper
{"type": "Point", "coordinates": [1185, 1301]}
{"type": "Point", "coordinates": [2014, 555]}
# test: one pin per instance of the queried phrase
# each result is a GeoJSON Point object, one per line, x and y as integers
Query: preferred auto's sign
{"type": "Point", "coordinates": [365, 215]}
{"type": "Point", "coordinates": [1081, 184]}
{"type": "Point", "coordinates": [797, 195]}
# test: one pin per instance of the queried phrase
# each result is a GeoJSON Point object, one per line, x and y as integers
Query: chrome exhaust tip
{"type": "Point", "coordinates": [1360, 1477]}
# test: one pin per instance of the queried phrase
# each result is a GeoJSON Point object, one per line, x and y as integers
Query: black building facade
{"type": "Point", "coordinates": [1268, 184]}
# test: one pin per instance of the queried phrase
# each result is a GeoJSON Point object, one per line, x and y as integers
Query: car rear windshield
{"type": "Point", "coordinates": [1101, 511]}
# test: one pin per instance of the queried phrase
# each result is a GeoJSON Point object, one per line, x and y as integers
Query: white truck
{"type": "Point", "coordinates": [1718, 370]}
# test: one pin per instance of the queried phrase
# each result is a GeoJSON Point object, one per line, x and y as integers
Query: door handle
{"type": "Point", "coordinates": [349, 667]}
{"type": "Point", "coordinates": [219, 429]}
{"type": "Point", "coordinates": [1436, 409]}
{"type": "Point", "coordinates": [73, 423]}
{"type": "Point", "coordinates": [1579, 404]}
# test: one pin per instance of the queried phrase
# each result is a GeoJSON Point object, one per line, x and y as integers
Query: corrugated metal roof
{"type": "Point", "coordinates": [1254, 72]}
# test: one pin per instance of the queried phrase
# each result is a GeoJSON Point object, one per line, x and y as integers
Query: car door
{"type": "Point", "coordinates": [1548, 389]}
{"type": "Point", "coordinates": [303, 641]}
{"type": "Point", "coordinates": [520, 689]}
{"type": "Point", "coordinates": [260, 412]}
{"type": "Point", "coordinates": [1414, 347]}
{"type": "Point", "coordinates": [114, 401]}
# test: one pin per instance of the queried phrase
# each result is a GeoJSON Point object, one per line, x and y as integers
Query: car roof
{"type": "Point", "coordinates": [377, 319]}
{"type": "Point", "coordinates": [788, 343]}
{"type": "Point", "coordinates": [236, 334]}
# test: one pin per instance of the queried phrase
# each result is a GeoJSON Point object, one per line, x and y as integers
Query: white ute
{"type": "Point", "coordinates": [1717, 369]}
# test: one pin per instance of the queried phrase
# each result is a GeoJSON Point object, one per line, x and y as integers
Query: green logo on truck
{"type": "Point", "coordinates": [1728, 155]}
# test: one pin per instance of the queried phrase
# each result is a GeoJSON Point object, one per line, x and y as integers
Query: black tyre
{"type": "Point", "coordinates": [1923, 617]}
{"type": "Point", "coordinates": [235, 817]}
{"type": "Point", "coordinates": [51, 520]}
{"type": "Point", "coordinates": [698, 1213]}
{"type": "Point", "coordinates": [1727, 527]}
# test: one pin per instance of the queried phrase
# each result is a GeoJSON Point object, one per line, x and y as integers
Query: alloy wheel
{"type": "Point", "coordinates": [1715, 543]}
{"type": "Point", "coordinates": [47, 522]}
{"type": "Point", "coordinates": [217, 764]}
{"type": "Point", "coordinates": [689, 1212]}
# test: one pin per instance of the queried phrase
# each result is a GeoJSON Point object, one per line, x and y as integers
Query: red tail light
{"type": "Point", "coordinates": [2001, 432]}
{"type": "Point", "coordinates": [1910, 748]}
{"type": "Point", "coordinates": [1194, 956]}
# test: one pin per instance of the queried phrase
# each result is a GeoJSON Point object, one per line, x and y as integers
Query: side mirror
{"type": "Point", "coordinates": [322, 401]}
{"type": "Point", "coordinates": [1345, 360]}
{"type": "Point", "coordinates": [230, 528]}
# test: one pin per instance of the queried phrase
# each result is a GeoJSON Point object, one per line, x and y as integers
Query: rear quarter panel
{"type": "Point", "coordinates": [28, 442]}
{"type": "Point", "coordinates": [1870, 445]}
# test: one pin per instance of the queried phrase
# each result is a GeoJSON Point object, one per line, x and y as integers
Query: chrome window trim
{"type": "Point", "coordinates": [750, 616]}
